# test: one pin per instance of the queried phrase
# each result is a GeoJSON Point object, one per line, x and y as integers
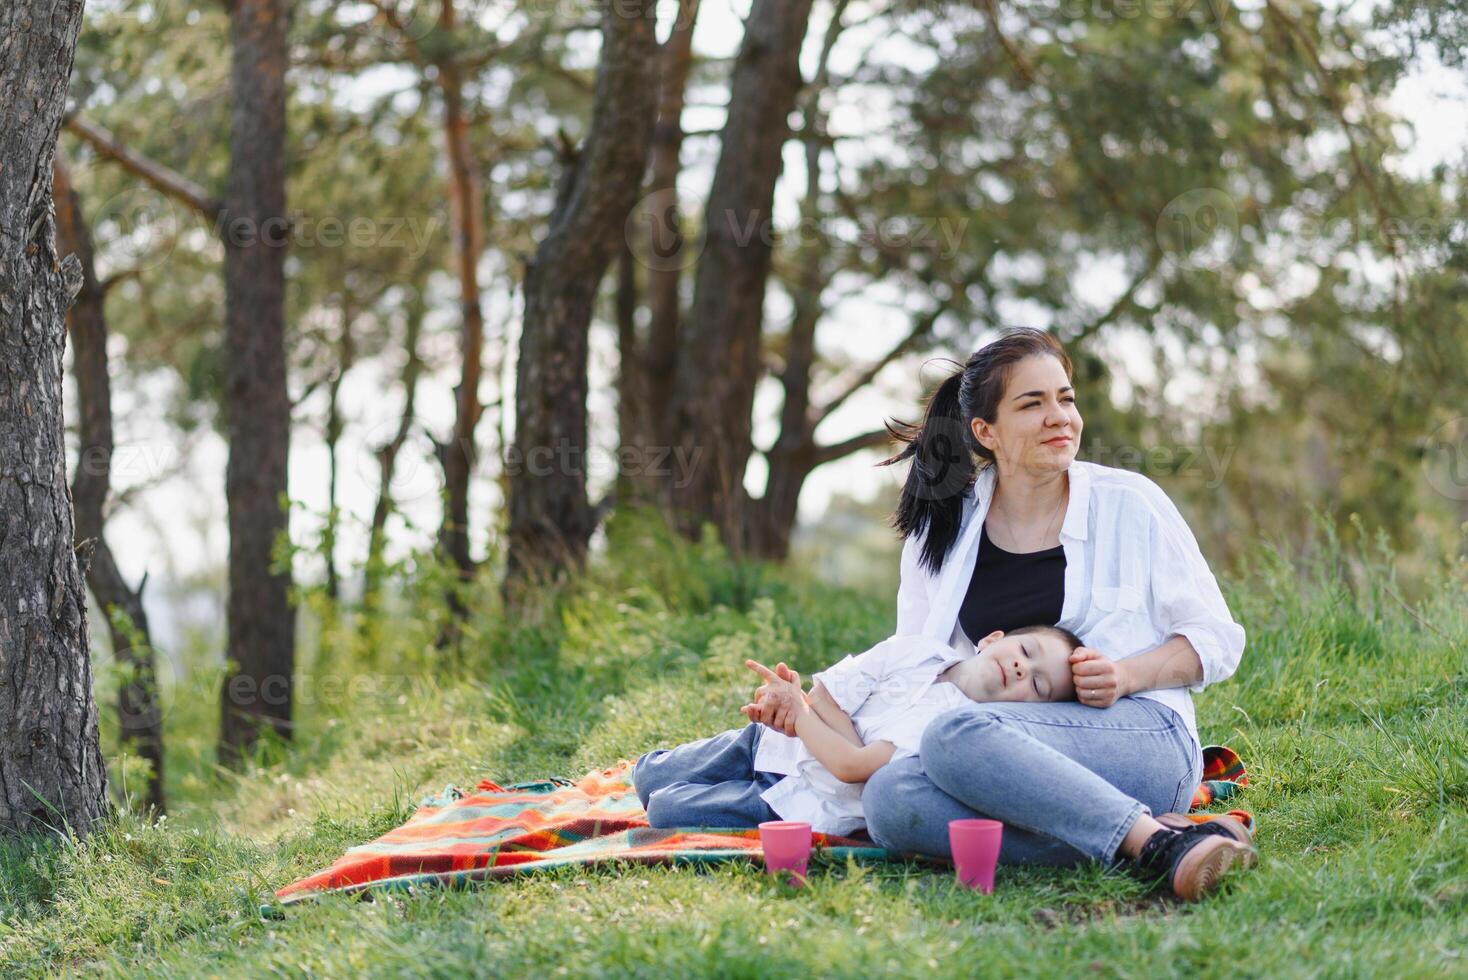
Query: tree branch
{"type": "Point", "coordinates": [922, 325]}
{"type": "Point", "coordinates": [168, 182]}
{"type": "Point", "coordinates": [836, 450]}
{"type": "Point", "coordinates": [1121, 302]}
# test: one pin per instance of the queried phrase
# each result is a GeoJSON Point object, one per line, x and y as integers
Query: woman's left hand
{"type": "Point", "coordinates": [1099, 680]}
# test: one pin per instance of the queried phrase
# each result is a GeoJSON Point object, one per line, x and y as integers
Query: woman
{"type": "Point", "coordinates": [1036, 536]}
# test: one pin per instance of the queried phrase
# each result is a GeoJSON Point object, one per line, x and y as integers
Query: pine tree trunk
{"type": "Point", "coordinates": [719, 357]}
{"type": "Point", "coordinates": [666, 254]}
{"type": "Point", "coordinates": [335, 424]}
{"type": "Point", "coordinates": [458, 455]}
{"type": "Point", "coordinates": [770, 519]}
{"type": "Point", "coordinates": [139, 716]}
{"type": "Point", "coordinates": [258, 683]}
{"type": "Point", "coordinates": [550, 517]}
{"type": "Point", "coordinates": [387, 460]}
{"type": "Point", "coordinates": [632, 406]}
{"type": "Point", "coordinates": [51, 768]}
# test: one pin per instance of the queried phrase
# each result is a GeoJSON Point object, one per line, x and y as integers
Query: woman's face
{"type": "Point", "coordinates": [1037, 426]}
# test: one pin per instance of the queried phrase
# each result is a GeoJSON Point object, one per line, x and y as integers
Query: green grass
{"type": "Point", "coordinates": [1350, 710]}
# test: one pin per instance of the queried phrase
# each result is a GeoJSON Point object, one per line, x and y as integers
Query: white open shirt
{"type": "Point", "coordinates": [1134, 576]}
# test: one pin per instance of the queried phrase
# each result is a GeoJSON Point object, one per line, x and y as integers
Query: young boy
{"type": "Point", "coordinates": [859, 715]}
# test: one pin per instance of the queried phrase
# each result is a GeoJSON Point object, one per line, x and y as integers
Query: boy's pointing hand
{"type": "Point", "coordinates": [777, 700]}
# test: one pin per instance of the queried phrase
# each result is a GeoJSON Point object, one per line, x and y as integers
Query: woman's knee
{"type": "Point", "coordinates": [956, 739]}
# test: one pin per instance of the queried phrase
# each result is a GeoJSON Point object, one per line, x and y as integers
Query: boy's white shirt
{"type": "Point", "coordinates": [891, 692]}
{"type": "Point", "coordinates": [1134, 576]}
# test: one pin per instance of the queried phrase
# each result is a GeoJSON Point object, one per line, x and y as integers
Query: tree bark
{"type": "Point", "coordinates": [719, 357]}
{"type": "Point", "coordinates": [51, 768]}
{"type": "Point", "coordinates": [139, 715]}
{"type": "Point", "coordinates": [261, 649]}
{"type": "Point", "coordinates": [632, 377]}
{"type": "Point", "coordinates": [550, 517]}
{"type": "Point", "coordinates": [346, 358]}
{"type": "Point", "coordinates": [458, 454]}
{"type": "Point", "coordinates": [666, 255]}
{"type": "Point", "coordinates": [387, 458]}
{"type": "Point", "coordinates": [771, 518]}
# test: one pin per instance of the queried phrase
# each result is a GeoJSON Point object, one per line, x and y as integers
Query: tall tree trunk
{"type": "Point", "coordinates": [51, 769]}
{"type": "Point", "coordinates": [666, 252]}
{"type": "Point", "coordinates": [346, 357]}
{"type": "Point", "coordinates": [719, 357]}
{"type": "Point", "coordinates": [632, 406]}
{"type": "Point", "coordinates": [771, 519]}
{"type": "Point", "coordinates": [140, 718]}
{"type": "Point", "coordinates": [550, 517]}
{"type": "Point", "coordinates": [259, 679]}
{"type": "Point", "coordinates": [458, 454]}
{"type": "Point", "coordinates": [387, 458]}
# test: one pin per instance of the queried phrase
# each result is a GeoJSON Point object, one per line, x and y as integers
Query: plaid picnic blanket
{"type": "Point", "coordinates": [456, 838]}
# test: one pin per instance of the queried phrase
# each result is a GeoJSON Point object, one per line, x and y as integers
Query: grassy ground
{"type": "Point", "coordinates": [1350, 710]}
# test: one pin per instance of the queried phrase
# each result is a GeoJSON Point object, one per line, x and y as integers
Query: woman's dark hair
{"type": "Point", "coordinates": [943, 447]}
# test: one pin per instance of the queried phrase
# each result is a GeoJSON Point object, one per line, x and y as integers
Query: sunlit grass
{"type": "Point", "coordinates": [1349, 710]}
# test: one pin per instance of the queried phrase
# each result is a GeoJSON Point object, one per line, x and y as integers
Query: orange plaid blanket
{"type": "Point", "coordinates": [457, 838]}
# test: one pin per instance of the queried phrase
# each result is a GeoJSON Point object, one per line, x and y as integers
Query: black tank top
{"type": "Point", "coordinates": [1010, 590]}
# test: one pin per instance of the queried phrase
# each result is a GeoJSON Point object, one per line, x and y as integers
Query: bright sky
{"type": "Point", "coordinates": [174, 528]}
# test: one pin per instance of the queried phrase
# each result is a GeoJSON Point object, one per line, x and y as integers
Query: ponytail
{"type": "Point", "coordinates": [943, 467]}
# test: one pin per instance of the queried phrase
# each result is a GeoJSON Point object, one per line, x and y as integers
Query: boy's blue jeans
{"type": "Point", "coordinates": [708, 783]}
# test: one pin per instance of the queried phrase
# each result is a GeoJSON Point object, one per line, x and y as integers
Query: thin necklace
{"type": "Point", "coordinates": [1045, 535]}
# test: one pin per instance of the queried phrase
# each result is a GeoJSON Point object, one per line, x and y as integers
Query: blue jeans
{"type": "Point", "coordinates": [1068, 780]}
{"type": "Point", "coordinates": [708, 783]}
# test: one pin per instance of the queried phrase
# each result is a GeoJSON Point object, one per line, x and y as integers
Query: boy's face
{"type": "Point", "coordinates": [1019, 667]}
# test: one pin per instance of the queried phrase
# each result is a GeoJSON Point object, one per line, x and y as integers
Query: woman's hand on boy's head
{"type": "Point", "coordinates": [1098, 679]}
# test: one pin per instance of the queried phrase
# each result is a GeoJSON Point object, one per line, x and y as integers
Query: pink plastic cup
{"type": "Point", "coordinates": [975, 845]}
{"type": "Point", "coordinates": [787, 848]}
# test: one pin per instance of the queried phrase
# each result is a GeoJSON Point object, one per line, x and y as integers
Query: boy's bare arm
{"type": "Point", "coordinates": [850, 762]}
{"type": "Point", "coordinates": [832, 714]}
